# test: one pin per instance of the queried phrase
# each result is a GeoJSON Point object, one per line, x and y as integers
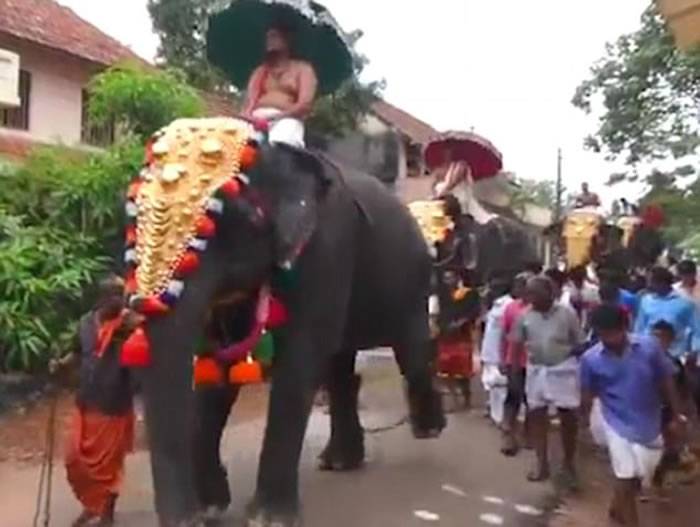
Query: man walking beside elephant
{"type": "Point", "coordinates": [549, 334]}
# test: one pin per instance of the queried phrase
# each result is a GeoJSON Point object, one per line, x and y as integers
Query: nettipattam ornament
{"type": "Point", "coordinates": [432, 219]}
{"type": "Point", "coordinates": [191, 167]}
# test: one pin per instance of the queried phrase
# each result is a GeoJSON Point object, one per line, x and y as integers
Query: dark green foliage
{"type": "Point", "coordinates": [61, 216]}
{"type": "Point", "coordinates": [650, 97]}
{"type": "Point", "coordinates": [141, 100]}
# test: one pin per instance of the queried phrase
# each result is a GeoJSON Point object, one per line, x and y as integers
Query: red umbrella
{"type": "Point", "coordinates": [482, 156]}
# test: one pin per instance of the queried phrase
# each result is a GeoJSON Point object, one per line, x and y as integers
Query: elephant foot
{"type": "Point", "coordinates": [337, 459]}
{"type": "Point", "coordinates": [258, 516]}
{"type": "Point", "coordinates": [425, 409]}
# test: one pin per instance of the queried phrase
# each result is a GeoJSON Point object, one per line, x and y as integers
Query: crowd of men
{"type": "Point", "coordinates": [619, 355]}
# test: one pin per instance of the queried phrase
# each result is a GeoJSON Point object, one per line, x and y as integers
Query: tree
{"type": "Point", "coordinates": [649, 94]}
{"type": "Point", "coordinates": [525, 192]}
{"type": "Point", "coordinates": [181, 26]}
{"type": "Point", "coordinates": [141, 100]}
{"type": "Point", "coordinates": [338, 113]}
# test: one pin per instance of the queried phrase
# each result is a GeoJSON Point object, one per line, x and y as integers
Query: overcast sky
{"type": "Point", "coordinates": [506, 68]}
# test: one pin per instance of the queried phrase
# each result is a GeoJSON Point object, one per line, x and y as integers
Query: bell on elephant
{"type": "Point", "coordinates": [581, 226]}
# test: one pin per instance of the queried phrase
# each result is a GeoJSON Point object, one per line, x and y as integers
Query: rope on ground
{"type": "Point", "coordinates": [388, 428]}
{"type": "Point", "coordinates": [46, 473]}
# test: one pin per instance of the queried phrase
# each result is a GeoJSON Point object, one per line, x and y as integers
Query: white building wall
{"type": "Point", "coordinates": [57, 81]}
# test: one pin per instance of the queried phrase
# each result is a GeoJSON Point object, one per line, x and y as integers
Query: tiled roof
{"type": "Point", "coordinates": [418, 131]}
{"type": "Point", "coordinates": [50, 24]}
{"type": "Point", "coordinates": [15, 147]}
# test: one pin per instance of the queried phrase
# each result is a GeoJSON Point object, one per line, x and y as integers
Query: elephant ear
{"type": "Point", "coordinates": [302, 180]}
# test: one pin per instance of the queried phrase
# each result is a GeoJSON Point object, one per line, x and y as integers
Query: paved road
{"type": "Point", "coordinates": [458, 480]}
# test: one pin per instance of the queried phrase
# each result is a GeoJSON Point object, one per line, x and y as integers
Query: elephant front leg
{"type": "Point", "coordinates": [213, 406]}
{"type": "Point", "coordinates": [346, 448]}
{"type": "Point", "coordinates": [294, 384]}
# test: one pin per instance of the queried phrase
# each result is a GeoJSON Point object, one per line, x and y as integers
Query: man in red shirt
{"type": "Point", "coordinates": [514, 364]}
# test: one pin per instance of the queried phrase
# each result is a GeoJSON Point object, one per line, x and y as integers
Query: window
{"type": "Point", "coordinates": [18, 118]}
{"type": "Point", "coordinates": [102, 135]}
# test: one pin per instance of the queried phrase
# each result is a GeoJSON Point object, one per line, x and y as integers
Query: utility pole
{"type": "Point", "coordinates": [559, 188]}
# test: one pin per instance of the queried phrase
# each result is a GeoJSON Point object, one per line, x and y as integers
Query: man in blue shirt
{"type": "Point", "coordinates": [632, 377]}
{"type": "Point", "coordinates": [663, 303]}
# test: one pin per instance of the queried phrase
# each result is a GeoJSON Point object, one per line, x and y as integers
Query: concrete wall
{"type": "Point", "coordinates": [56, 92]}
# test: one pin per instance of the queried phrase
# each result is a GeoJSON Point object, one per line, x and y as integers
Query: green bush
{"type": "Point", "coordinates": [60, 227]}
{"type": "Point", "coordinates": [141, 100]}
{"type": "Point", "coordinates": [61, 215]}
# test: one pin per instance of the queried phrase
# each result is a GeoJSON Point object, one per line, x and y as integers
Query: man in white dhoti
{"type": "Point", "coordinates": [282, 90]}
{"type": "Point", "coordinates": [632, 377]}
{"type": "Point", "coordinates": [549, 333]}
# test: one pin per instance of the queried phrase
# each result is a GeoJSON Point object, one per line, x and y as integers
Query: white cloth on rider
{"type": "Point", "coordinates": [458, 181]}
{"type": "Point", "coordinates": [288, 130]}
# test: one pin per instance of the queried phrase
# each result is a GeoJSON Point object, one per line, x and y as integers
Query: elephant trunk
{"type": "Point", "coordinates": [169, 398]}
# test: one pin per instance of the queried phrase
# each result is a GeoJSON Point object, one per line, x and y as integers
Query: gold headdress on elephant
{"type": "Point", "coordinates": [581, 227]}
{"type": "Point", "coordinates": [173, 207]}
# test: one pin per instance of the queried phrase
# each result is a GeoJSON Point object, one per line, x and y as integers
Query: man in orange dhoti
{"type": "Point", "coordinates": [102, 430]}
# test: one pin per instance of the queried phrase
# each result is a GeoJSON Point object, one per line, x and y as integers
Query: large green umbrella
{"type": "Point", "coordinates": [236, 39]}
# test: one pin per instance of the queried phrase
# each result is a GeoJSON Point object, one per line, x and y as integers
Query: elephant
{"type": "Point", "coordinates": [339, 251]}
{"type": "Point", "coordinates": [625, 244]}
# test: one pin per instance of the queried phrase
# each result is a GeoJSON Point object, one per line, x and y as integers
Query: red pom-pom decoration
{"type": "Point", "coordinates": [188, 264]}
{"type": "Point", "coordinates": [153, 306]}
{"type": "Point", "coordinates": [131, 236]}
{"type": "Point", "coordinates": [248, 372]}
{"type": "Point", "coordinates": [249, 156]}
{"type": "Point", "coordinates": [261, 125]}
{"type": "Point", "coordinates": [206, 228]}
{"type": "Point", "coordinates": [231, 188]}
{"type": "Point", "coordinates": [133, 191]}
{"type": "Point", "coordinates": [207, 371]}
{"type": "Point", "coordinates": [136, 351]}
{"type": "Point", "coordinates": [278, 315]}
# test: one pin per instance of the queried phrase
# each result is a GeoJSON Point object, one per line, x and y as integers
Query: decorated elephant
{"type": "Point", "coordinates": [223, 218]}
{"type": "Point", "coordinates": [626, 243]}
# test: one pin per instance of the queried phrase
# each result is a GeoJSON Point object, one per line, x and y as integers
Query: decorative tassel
{"type": "Point", "coordinates": [207, 371]}
{"type": "Point", "coordinates": [136, 351]}
{"type": "Point", "coordinates": [130, 283]}
{"type": "Point", "coordinates": [206, 228]}
{"type": "Point", "coordinates": [265, 350]}
{"type": "Point", "coordinates": [130, 257]}
{"type": "Point", "coordinates": [249, 156]}
{"type": "Point", "coordinates": [188, 264]}
{"type": "Point", "coordinates": [215, 206]}
{"type": "Point", "coordinates": [231, 188]}
{"type": "Point", "coordinates": [248, 372]}
{"type": "Point", "coordinates": [197, 244]}
{"type": "Point", "coordinates": [132, 210]}
{"type": "Point", "coordinates": [133, 191]}
{"type": "Point", "coordinates": [278, 314]}
{"type": "Point", "coordinates": [152, 306]}
{"type": "Point", "coordinates": [131, 236]}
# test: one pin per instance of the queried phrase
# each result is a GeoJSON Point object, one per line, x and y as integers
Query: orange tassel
{"type": "Point", "coordinates": [249, 156]}
{"type": "Point", "coordinates": [207, 371]}
{"type": "Point", "coordinates": [188, 264]}
{"type": "Point", "coordinates": [131, 235]}
{"type": "Point", "coordinates": [206, 228]}
{"type": "Point", "coordinates": [133, 191]}
{"type": "Point", "coordinates": [231, 188]}
{"type": "Point", "coordinates": [248, 372]}
{"type": "Point", "coordinates": [136, 351]}
{"type": "Point", "coordinates": [153, 306]}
